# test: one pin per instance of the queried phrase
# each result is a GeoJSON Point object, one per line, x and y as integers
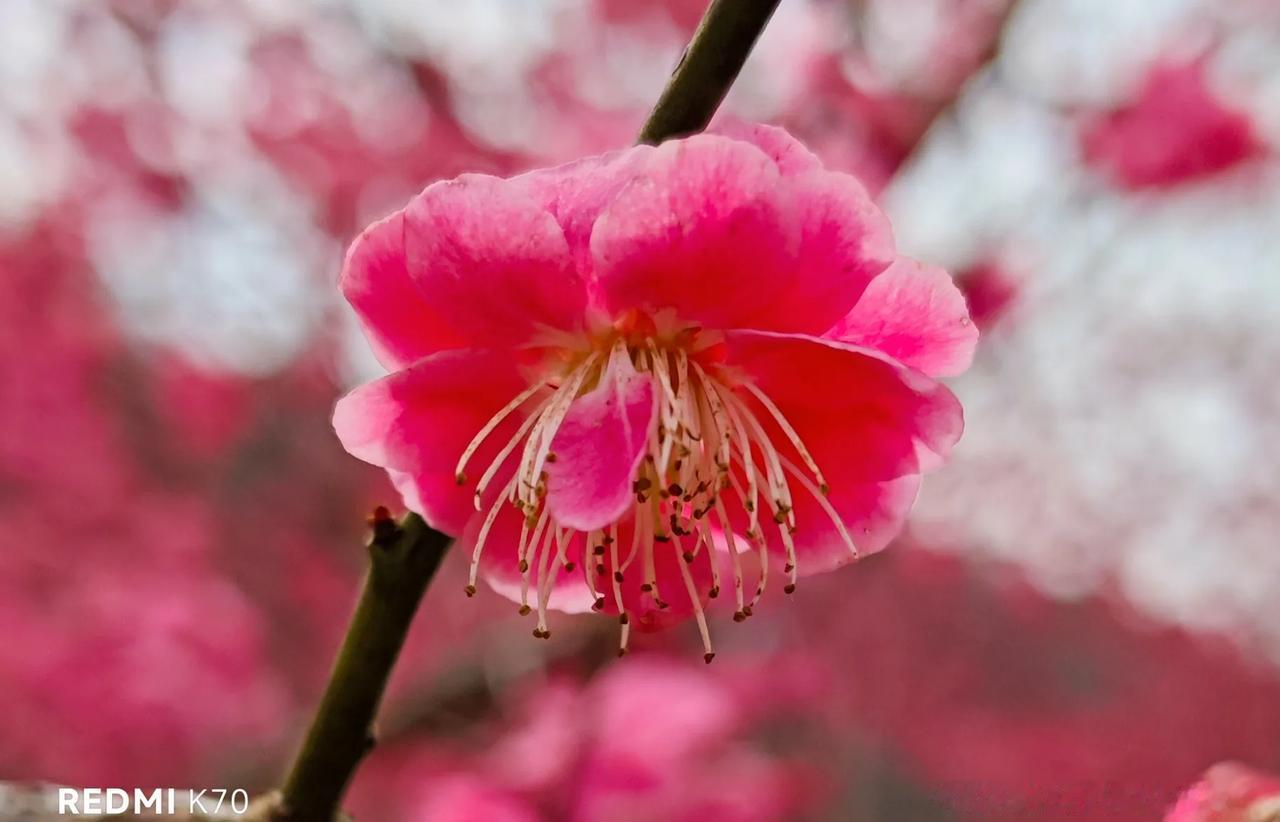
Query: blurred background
{"type": "Point", "coordinates": [1083, 615]}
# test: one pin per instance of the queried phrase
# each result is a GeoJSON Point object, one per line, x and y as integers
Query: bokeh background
{"type": "Point", "coordinates": [1083, 615]}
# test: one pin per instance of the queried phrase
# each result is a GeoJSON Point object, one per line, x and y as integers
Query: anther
{"type": "Point", "coordinates": [617, 576]}
{"type": "Point", "coordinates": [471, 590]}
{"type": "Point", "coordinates": [646, 588]}
{"type": "Point", "coordinates": [460, 478]}
{"type": "Point", "coordinates": [570, 565]}
{"type": "Point", "coordinates": [624, 619]}
{"type": "Point", "coordinates": [714, 592]}
{"type": "Point", "coordinates": [688, 557]}
{"type": "Point", "coordinates": [707, 657]}
{"type": "Point", "coordinates": [525, 610]}
{"type": "Point", "coordinates": [739, 616]}
{"type": "Point", "coordinates": [789, 588]}
{"type": "Point", "coordinates": [598, 605]}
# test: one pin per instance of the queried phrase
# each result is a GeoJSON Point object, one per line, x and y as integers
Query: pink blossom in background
{"type": "Point", "coordinates": [1175, 130]}
{"type": "Point", "coordinates": [1064, 710]}
{"type": "Point", "coordinates": [606, 367]}
{"type": "Point", "coordinates": [1229, 792]}
{"type": "Point", "coordinates": [990, 290]}
{"type": "Point", "coordinates": [654, 739]}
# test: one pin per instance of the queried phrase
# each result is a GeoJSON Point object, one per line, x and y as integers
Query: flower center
{"type": "Point", "coordinates": [707, 449]}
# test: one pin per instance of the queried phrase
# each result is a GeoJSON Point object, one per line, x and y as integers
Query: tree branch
{"type": "Point", "coordinates": [710, 64]}
{"type": "Point", "coordinates": [403, 557]}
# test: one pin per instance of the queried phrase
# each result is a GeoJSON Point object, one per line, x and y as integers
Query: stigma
{"type": "Point", "coordinates": [720, 473]}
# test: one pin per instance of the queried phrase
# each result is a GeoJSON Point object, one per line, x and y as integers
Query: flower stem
{"type": "Point", "coordinates": [707, 69]}
{"type": "Point", "coordinates": [403, 558]}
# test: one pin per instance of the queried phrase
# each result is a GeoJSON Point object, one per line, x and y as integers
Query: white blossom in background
{"type": "Point", "coordinates": [1124, 418]}
{"type": "Point", "coordinates": [229, 281]}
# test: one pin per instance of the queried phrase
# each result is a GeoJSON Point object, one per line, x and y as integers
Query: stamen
{"type": "Point", "coordinates": [650, 572]}
{"type": "Point", "coordinates": [515, 440]}
{"type": "Point", "coordinates": [696, 602]}
{"type": "Point", "coordinates": [763, 550]}
{"type": "Point", "coordinates": [707, 441]}
{"type": "Point", "coordinates": [725, 529]}
{"type": "Point", "coordinates": [484, 534]}
{"type": "Point", "coordinates": [669, 420]}
{"type": "Point", "coordinates": [774, 477]}
{"type": "Point", "coordinates": [712, 557]}
{"type": "Point", "coordinates": [488, 427]}
{"type": "Point", "coordinates": [625, 633]}
{"type": "Point", "coordinates": [526, 560]}
{"type": "Point", "coordinates": [546, 581]}
{"type": "Point", "coordinates": [718, 415]}
{"type": "Point", "coordinates": [521, 548]}
{"type": "Point", "coordinates": [792, 567]}
{"type": "Point", "coordinates": [827, 507]}
{"type": "Point", "coordinates": [617, 572]}
{"type": "Point", "coordinates": [639, 529]}
{"type": "Point", "coordinates": [592, 564]}
{"type": "Point", "coordinates": [744, 450]}
{"type": "Point", "coordinates": [549, 424]}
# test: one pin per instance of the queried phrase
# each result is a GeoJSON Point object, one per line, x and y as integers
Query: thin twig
{"type": "Point", "coordinates": [403, 559]}
{"type": "Point", "coordinates": [708, 68]}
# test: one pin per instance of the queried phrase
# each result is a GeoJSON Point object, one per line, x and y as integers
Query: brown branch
{"type": "Point", "coordinates": [403, 558]}
{"type": "Point", "coordinates": [710, 64]}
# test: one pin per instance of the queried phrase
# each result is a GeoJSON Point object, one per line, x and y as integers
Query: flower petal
{"type": "Point", "coordinates": [402, 326]}
{"type": "Point", "coordinates": [698, 231]}
{"type": "Point", "coordinates": [862, 416]}
{"type": "Point", "coordinates": [842, 241]}
{"type": "Point", "coordinates": [787, 152]}
{"type": "Point", "coordinates": [598, 448]}
{"type": "Point", "coordinates": [417, 422]}
{"type": "Point", "coordinates": [712, 229]}
{"type": "Point", "coordinates": [576, 193]}
{"type": "Point", "coordinates": [492, 261]}
{"type": "Point", "coordinates": [915, 314]}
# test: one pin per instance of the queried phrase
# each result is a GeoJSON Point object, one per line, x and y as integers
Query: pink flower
{"type": "Point", "coordinates": [1176, 130]}
{"type": "Point", "coordinates": [1229, 792]}
{"type": "Point", "coordinates": [653, 739]}
{"type": "Point", "coordinates": [614, 377]}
